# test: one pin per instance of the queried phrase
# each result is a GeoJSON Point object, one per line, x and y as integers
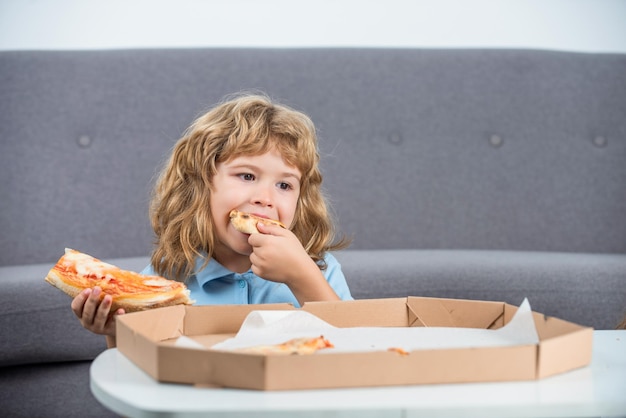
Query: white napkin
{"type": "Point", "coordinates": [275, 327]}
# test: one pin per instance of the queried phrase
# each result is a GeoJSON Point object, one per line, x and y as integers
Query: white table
{"type": "Point", "coordinates": [595, 391]}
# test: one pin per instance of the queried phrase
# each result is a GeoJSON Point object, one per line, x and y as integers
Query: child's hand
{"type": "Point", "coordinates": [93, 313]}
{"type": "Point", "coordinates": [276, 253]}
{"type": "Point", "coordinates": [278, 256]}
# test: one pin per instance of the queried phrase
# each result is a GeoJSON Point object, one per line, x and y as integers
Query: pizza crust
{"type": "Point", "coordinates": [56, 280]}
{"type": "Point", "coordinates": [246, 222]}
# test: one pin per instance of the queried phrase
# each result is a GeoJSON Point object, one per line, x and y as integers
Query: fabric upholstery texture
{"type": "Point", "coordinates": [462, 149]}
{"type": "Point", "coordinates": [49, 390]}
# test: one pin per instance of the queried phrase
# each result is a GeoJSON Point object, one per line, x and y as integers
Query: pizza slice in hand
{"type": "Point", "coordinates": [246, 222]}
{"type": "Point", "coordinates": [76, 271]}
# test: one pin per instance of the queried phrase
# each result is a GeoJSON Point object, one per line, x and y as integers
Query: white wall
{"type": "Point", "coordinates": [578, 25]}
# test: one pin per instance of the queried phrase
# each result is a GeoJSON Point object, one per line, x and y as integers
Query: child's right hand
{"type": "Point", "coordinates": [94, 314]}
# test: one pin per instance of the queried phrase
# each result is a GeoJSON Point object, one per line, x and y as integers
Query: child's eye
{"type": "Point", "coordinates": [247, 176]}
{"type": "Point", "coordinates": [284, 186]}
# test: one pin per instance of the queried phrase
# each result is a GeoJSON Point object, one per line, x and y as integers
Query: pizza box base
{"type": "Point", "coordinates": [146, 338]}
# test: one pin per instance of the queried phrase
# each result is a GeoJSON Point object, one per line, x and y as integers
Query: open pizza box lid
{"type": "Point", "coordinates": [150, 340]}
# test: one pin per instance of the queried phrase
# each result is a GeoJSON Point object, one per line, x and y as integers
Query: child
{"type": "Point", "coordinates": [256, 156]}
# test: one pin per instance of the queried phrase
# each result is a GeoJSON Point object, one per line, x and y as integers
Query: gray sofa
{"type": "Point", "coordinates": [478, 174]}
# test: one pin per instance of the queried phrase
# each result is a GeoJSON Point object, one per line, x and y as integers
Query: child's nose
{"type": "Point", "coordinates": [263, 197]}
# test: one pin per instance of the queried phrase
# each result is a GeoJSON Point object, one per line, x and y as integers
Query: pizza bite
{"type": "Point", "coordinates": [246, 222]}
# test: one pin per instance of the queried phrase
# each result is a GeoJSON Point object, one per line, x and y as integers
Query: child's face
{"type": "Point", "coordinates": [264, 185]}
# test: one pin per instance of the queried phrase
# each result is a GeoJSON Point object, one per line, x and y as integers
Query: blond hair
{"type": "Point", "coordinates": [243, 125]}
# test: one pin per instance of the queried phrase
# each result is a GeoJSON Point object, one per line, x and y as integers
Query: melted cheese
{"type": "Point", "coordinates": [86, 265]}
{"type": "Point", "coordinates": [86, 271]}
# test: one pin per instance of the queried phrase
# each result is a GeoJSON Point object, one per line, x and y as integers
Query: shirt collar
{"type": "Point", "coordinates": [212, 271]}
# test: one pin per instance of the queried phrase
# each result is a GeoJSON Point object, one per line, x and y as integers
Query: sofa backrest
{"type": "Point", "coordinates": [462, 149]}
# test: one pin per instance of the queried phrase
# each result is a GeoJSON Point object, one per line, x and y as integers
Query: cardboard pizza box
{"type": "Point", "coordinates": [149, 340]}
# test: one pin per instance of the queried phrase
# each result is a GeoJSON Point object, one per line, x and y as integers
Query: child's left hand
{"type": "Point", "coordinates": [278, 256]}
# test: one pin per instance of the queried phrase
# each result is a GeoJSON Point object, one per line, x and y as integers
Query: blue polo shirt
{"type": "Point", "coordinates": [216, 285]}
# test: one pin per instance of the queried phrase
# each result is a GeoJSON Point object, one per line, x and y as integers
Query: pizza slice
{"type": "Point", "coordinates": [76, 271]}
{"type": "Point", "coordinates": [295, 346]}
{"type": "Point", "coordinates": [246, 222]}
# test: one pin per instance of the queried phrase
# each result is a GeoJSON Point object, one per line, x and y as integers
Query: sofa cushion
{"type": "Point", "coordinates": [587, 289]}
